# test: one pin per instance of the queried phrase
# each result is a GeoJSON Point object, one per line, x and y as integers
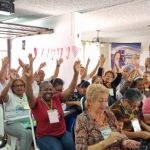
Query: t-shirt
{"type": "Point", "coordinates": [146, 106]}
{"type": "Point", "coordinates": [15, 105]}
{"type": "Point", "coordinates": [44, 127]}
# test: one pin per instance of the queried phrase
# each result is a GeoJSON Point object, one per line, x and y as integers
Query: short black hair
{"type": "Point", "coordinates": [135, 82]}
{"type": "Point", "coordinates": [133, 94]}
{"type": "Point", "coordinates": [83, 84]}
{"type": "Point", "coordinates": [57, 81]}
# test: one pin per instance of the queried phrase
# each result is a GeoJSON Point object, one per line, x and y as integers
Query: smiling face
{"type": "Point", "coordinates": [18, 87]}
{"type": "Point", "coordinates": [46, 91]}
{"type": "Point", "coordinates": [131, 106]}
{"type": "Point", "coordinates": [108, 77]}
{"type": "Point", "coordinates": [140, 85]}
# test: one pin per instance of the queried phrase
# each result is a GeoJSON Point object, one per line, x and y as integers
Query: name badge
{"type": "Point", "coordinates": [53, 116]}
{"type": "Point", "coordinates": [111, 92]}
{"type": "Point", "coordinates": [136, 125]}
{"type": "Point", "coordinates": [106, 132]}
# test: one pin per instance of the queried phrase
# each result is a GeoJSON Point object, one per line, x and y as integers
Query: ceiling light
{"type": "Point", "coordinates": [7, 7]}
{"type": "Point", "coordinates": [11, 20]}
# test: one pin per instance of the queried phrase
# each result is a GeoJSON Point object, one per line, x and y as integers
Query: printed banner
{"type": "Point", "coordinates": [125, 54]}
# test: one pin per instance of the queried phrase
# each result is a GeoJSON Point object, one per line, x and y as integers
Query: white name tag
{"type": "Point", "coordinates": [53, 116]}
{"type": "Point", "coordinates": [106, 132]}
{"type": "Point", "coordinates": [111, 92]}
{"type": "Point", "coordinates": [136, 125]}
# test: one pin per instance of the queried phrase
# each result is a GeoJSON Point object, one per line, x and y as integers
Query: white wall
{"type": "Point", "coordinates": [62, 38]}
{"type": "Point", "coordinates": [3, 49]}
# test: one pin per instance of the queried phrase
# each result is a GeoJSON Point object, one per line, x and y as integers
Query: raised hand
{"type": "Point", "coordinates": [59, 61]}
{"type": "Point", "coordinates": [88, 61]}
{"type": "Point", "coordinates": [42, 65]}
{"type": "Point", "coordinates": [13, 74]}
{"type": "Point", "coordinates": [31, 58]}
{"type": "Point", "coordinates": [21, 63]}
{"type": "Point", "coordinates": [102, 60]}
{"type": "Point", "coordinates": [5, 61]}
{"type": "Point", "coordinates": [76, 66]}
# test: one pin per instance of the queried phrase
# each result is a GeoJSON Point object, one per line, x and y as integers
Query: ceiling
{"type": "Point", "coordinates": [113, 17]}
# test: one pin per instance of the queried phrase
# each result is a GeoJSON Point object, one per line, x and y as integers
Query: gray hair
{"type": "Point", "coordinates": [133, 94]}
{"type": "Point", "coordinates": [45, 83]}
{"type": "Point", "coordinates": [93, 90]}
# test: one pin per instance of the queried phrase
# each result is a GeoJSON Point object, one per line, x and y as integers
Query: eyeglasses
{"type": "Point", "coordinates": [19, 85]}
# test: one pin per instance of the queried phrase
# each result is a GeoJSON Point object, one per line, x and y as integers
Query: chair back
{"type": "Point", "coordinates": [1, 121]}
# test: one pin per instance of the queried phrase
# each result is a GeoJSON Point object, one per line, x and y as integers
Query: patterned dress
{"type": "Point", "coordinates": [88, 131]}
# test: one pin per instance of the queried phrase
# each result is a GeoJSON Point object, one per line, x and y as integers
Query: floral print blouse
{"type": "Point", "coordinates": [88, 131]}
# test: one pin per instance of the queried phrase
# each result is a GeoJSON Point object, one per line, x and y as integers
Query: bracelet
{"type": "Point", "coordinates": [58, 65]}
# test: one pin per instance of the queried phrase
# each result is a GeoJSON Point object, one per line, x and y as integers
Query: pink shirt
{"type": "Point", "coordinates": [44, 128]}
{"type": "Point", "coordinates": [146, 106]}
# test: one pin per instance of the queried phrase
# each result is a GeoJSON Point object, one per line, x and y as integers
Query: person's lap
{"type": "Point", "coordinates": [65, 142]}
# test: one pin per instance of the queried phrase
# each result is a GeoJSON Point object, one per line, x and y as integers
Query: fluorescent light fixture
{"type": "Point", "coordinates": [11, 20]}
{"type": "Point", "coordinates": [7, 7]}
{"type": "Point", "coordinates": [6, 13]}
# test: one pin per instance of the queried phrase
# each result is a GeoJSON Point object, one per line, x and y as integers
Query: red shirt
{"type": "Point", "coordinates": [44, 128]}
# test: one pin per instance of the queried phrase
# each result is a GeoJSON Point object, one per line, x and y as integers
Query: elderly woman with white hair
{"type": "Point", "coordinates": [97, 127]}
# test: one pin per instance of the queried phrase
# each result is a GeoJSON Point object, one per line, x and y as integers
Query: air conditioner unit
{"type": "Point", "coordinates": [7, 7]}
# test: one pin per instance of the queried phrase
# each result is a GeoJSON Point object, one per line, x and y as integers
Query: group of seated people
{"type": "Point", "coordinates": [112, 112]}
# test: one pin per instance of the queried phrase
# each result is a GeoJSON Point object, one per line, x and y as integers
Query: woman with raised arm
{"type": "Point", "coordinates": [15, 104]}
{"type": "Point", "coordinates": [47, 110]}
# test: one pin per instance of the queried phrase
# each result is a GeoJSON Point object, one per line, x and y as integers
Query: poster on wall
{"type": "Point", "coordinates": [125, 54]}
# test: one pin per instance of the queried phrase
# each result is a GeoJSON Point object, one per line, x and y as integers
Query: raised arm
{"type": "Point", "coordinates": [73, 83]}
{"type": "Point", "coordinates": [86, 70]}
{"type": "Point", "coordinates": [29, 79]}
{"type": "Point", "coordinates": [101, 63]}
{"type": "Point", "coordinates": [59, 62]}
{"type": "Point", "coordinates": [42, 65]}
{"type": "Point", "coordinates": [4, 94]}
{"type": "Point", "coordinates": [4, 68]}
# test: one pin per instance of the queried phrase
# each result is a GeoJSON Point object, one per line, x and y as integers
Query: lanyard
{"type": "Point", "coordinates": [51, 108]}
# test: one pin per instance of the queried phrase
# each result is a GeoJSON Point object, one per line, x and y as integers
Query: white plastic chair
{"type": "Point", "coordinates": [1, 121]}
{"type": "Point", "coordinates": [6, 147]}
{"type": "Point", "coordinates": [32, 128]}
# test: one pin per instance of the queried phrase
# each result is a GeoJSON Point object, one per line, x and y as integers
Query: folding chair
{"type": "Point", "coordinates": [32, 128]}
